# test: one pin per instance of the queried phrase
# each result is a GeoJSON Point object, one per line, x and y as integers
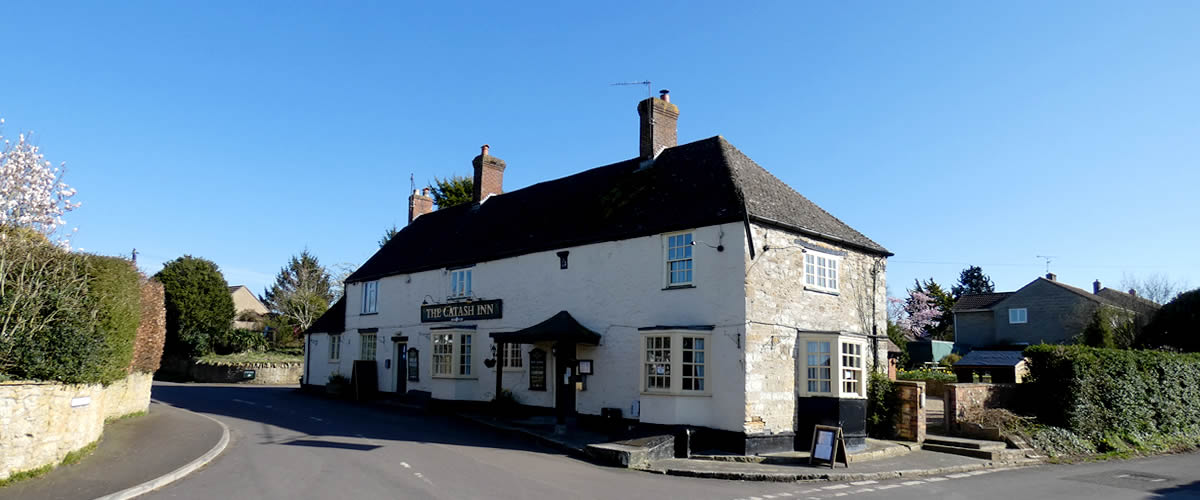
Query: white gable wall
{"type": "Point", "coordinates": [612, 288]}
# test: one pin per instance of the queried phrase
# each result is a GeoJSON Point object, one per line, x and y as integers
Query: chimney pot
{"type": "Point", "coordinates": [665, 95]}
{"type": "Point", "coordinates": [425, 191]}
{"type": "Point", "coordinates": [1051, 276]}
{"type": "Point", "coordinates": [1133, 292]}
{"type": "Point", "coordinates": [484, 149]}
{"type": "Point", "coordinates": [1096, 286]}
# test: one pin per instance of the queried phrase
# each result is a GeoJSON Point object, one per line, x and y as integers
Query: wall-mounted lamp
{"type": "Point", "coordinates": [428, 300]}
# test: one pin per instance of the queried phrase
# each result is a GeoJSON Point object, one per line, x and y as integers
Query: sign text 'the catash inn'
{"type": "Point", "coordinates": [484, 309]}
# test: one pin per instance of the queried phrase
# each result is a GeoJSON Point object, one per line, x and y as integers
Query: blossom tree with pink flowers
{"type": "Point", "coordinates": [32, 192]}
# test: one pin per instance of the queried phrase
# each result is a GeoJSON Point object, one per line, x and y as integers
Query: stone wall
{"type": "Point", "coordinates": [264, 373]}
{"type": "Point", "coordinates": [777, 305]}
{"type": "Point", "coordinates": [910, 417]}
{"type": "Point", "coordinates": [40, 422]}
{"type": "Point", "coordinates": [964, 400]}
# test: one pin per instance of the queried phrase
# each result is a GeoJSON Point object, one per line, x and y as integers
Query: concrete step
{"type": "Point", "coordinates": [974, 444]}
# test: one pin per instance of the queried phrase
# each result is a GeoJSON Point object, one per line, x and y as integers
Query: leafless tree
{"type": "Point", "coordinates": [1157, 287]}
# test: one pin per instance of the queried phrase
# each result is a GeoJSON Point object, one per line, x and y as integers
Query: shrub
{"type": "Point", "coordinates": [113, 287]}
{"type": "Point", "coordinates": [198, 304]}
{"type": "Point", "coordinates": [1099, 330]}
{"type": "Point", "coordinates": [1176, 325]}
{"type": "Point", "coordinates": [926, 374]}
{"type": "Point", "coordinates": [1110, 395]}
{"type": "Point", "coordinates": [949, 360]}
{"type": "Point", "coordinates": [882, 405]}
{"type": "Point", "coordinates": [239, 340]}
{"type": "Point", "coordinates": [152, 329]}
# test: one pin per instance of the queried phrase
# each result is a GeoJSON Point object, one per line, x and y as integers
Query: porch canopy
{"type": "Point", "coordinates": [559, 328]}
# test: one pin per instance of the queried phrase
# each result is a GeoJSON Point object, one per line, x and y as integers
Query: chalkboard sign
{"type": "Point", "coordinates": [537, 370]}
{"type": "Point", "coordinates": [364, 379]}
{"type": "Point", "coordinates": [828, 445]}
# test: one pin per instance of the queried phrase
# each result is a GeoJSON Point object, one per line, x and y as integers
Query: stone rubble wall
{"type": "Point", "coordinates": [964, 400]}
{"type": "Point", "coordinates": [264, 373]}
{"type": "Point", "coordinates": [39, 425]}
{"type": "Point", "coordinates": [777, 304]}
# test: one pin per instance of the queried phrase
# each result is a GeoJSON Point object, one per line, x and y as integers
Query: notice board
{"type": "Point", "coordinates": [537, 370]}
{"type": "Point", "coordinates": [828, 445]}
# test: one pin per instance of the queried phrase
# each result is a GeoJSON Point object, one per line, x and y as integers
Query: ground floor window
{"type": "Point", "coordinates": [826, 356]}
{"type": "Point", "coordinates": [512, 356]}
{"type": "Point", "coordinates": [367, 347]}
{"type": "Point", "coordinates": [675, 362]}
{"type": "Point", "coordinates": [452, 354]}
{"type": "Point", "coordinates": [335, 347]}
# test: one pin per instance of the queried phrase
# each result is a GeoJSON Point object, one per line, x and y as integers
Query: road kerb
{"type": "Point", "coordinates": [179, 473]}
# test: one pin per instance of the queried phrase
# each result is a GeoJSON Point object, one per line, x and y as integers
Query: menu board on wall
{"type": "Point", "coordinates": [537, 370]}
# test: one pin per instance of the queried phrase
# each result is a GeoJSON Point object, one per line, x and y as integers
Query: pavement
{"type": "Point", "coordinates": [134, 456]}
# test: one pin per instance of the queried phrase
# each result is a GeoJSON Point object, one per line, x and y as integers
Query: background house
{"type": "Point", "coordinates": [248, 310]}
{"type": "Point", "coordinates": [1043, 311]}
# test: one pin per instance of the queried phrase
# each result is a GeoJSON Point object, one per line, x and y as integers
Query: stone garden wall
{"type": "Point", "coordinates": [41, 422]}
{"type": "Point", "coordinates": [965, 400]}
{"type": "Point", "coordinates": [910, 419]}
{"type": "Point", "coordinates": [264, 373]}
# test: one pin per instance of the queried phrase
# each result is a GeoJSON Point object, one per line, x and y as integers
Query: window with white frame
{"type": "Point", "coordinates": [679, 259]}
{"type": "Point", "coordinates": [821, 272]}
{"type": "Point", "coordinates": [453, 354]}
{"type": "Point", "coordinates": [512, 356]}
{"type": "Point", "coordinates": [852, 368]}
{"type": "Point", "coordinates": [460, 283]}
{"type": "Point", "coordinates": [366, 350]}
{"type": "Point", "coordinates": [370, 297]}
{"type": "Point", "coordinates": [1018, 315]}
{"type": "Point", "coordinates": [675, 362]}
{"type": "Point", "coordinates": [335, 347]}
{"type": "Point", "coordinates": [833, 366]}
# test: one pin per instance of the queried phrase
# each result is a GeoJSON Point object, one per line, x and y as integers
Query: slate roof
{"type": "Point", "coordinates": [979, 301]}
{"type": "Point", "coordinates": [333, 321]}
{"type": "Point", "coordinates": [990, 358]}
{"type": "Point", "coordinates": [698, 184]}
{"type": "Point", "coordinates": [1122, 299]}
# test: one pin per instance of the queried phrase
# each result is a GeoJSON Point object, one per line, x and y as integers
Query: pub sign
{"type": "Point", "coordinates": [462, 311]}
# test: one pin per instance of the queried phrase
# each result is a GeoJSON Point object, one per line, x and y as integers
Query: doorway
{"type": "Point", "coordinates": [400, 355]}
{"type": "Point", "coordinates": [564, 381]}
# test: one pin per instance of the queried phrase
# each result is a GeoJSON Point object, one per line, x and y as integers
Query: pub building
{"type": "Point", "coordinates": [685, 287]}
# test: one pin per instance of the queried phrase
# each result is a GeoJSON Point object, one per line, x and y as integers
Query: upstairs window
{"type": "Point", "coordinates": [821, 272]}
{"type": "Point", "coordinates": [1018, 315]}
{"type": "Point", "coordinates": [679, 259]}
{"type": "Point", "coordinates": [370, 297]}
{"type": "Point", "coordinates": [460, 283]}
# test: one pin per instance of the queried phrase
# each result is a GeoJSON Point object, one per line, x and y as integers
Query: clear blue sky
{"type": "Point", "coordinates": [953, 133]}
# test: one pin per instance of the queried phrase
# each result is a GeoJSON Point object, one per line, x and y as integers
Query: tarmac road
{"type": "Point", "coordinates": [289, 445]}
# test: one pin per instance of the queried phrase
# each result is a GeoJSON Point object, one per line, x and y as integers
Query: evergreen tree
{"type": "Point", "coordinates": [301, 293]}
{"type": "Point", "coordinates": [388, 235]}
{"type": "Point", "coordinates": [451, 191]}
{"type": "Point", "coordinates": [199, 306]}
{"type": "Point", "coordinates": [972, 281]}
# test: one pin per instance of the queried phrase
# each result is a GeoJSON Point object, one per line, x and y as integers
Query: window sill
{"type": "Point", "coordinates": [368, 314]}
{"type": "Point", "coordinates": [335, 361]}
{"type": "Point", "coordinates": [679, 394]}
{"type": "Point", "coordinates": [679, 287]}
{"type": "Point", "coordinates": [453, 377]}
{"type": "Point", "coordinates": [821, 290]}
{"type": "Point", "coordinates": [830, 396]}
{"type": "Point", "coordinates": [506, 369]}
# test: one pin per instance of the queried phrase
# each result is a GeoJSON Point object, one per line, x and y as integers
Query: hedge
{"type": "Point", "coordinates": [113, 286]}
{"type": "Point", "coordinates": [1102, 394]}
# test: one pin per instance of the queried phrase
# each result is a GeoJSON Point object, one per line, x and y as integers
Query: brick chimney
{"type": "Point", "coordinates": [658, 119]}
{"type": "Point", "coordinates": [1051, 276]}
{"type": "Point", "coordinates": [420, 203]}
{"type": "Point", "coordinates": [1096, 286]}
{"type": "Point", "coordinates": [489, 174]}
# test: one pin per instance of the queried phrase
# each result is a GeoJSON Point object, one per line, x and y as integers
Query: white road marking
{"type": "Point", "coordinates": [888, 486]}
{"type": "Point", "coordinates": [836, 487]}
{"type": "Point", "coordinates": [784, 494]}
{"type": "Point", "coordinates": [317, 419]}
{"type": "Point", "coordinates": [910, 483]}
{"type": "Point", "coordinates": [860, 483]}
{"type": "Point", "coordinates": [405, 465]}
{"type": "Point", "coordinates": [979, 472]}
{"type": "Point", "coordinates": [251, 403]}
{"type": "Point", "coordinates": [840, 495]}
{"type": "Point", "coordinates": [864, 490]}
{"type": "Point", "coordinates": [958, 476]}
{"type": "Point", "coordinates": [811, 490]}
{"type": "Point", "coordinates": [935, 479]}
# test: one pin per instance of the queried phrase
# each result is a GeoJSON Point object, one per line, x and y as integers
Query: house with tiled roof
{"type": "Point", "coordinates": [1043, 311]}
{"type": "Point", "coordinates": [249, 311]}
{"type": "Point", "coordinates": [684, 287]}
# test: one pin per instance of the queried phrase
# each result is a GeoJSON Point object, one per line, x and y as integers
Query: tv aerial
{"type": "Point", "coordinates": [649, 92]}
{"type": "Point", "coordinates": [1047, 258]}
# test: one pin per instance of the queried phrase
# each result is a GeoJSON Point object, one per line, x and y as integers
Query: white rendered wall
{"type": "Point", "coordinates": [612, 288]}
